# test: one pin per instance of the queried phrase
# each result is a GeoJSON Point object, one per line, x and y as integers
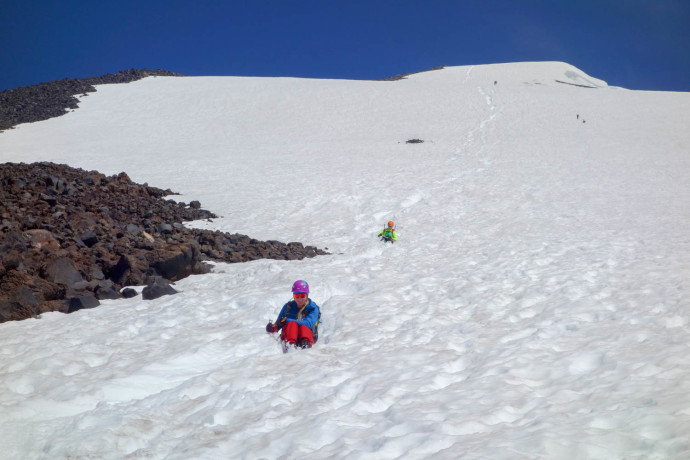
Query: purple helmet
{"type": "Point", "coordinates": [300, 286]}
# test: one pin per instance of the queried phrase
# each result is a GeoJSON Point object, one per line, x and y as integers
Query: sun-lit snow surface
{"type": "Point", "coordinates": [536, 306]}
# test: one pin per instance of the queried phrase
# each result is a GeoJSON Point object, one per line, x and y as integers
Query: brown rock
{"type": "Point", "coordinates": [42, 239]}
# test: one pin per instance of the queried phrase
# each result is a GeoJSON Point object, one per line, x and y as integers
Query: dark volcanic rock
{"type": "Point", "coordinates": [106, 290]}
{"type": "Point", "coordinates": [61, 271]}
{"type": "Point", "coordinates": [157, 288]}
{"type": "Point", "coordinates": [70, 237]}
{"type": "Point", "coordinates": [176, 261]}
{"type": "Point", "coordinates": [128, 293]}
{"type": "Point", "coordinates": [54, 98]}
{"type": "Point", "coordinates": [86, 300]}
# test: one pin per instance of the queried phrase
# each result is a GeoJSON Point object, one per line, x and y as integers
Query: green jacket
{"type": "Point", "coordinates": [389, 233]}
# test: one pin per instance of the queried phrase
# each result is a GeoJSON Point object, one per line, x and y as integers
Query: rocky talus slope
{"type": "Point", "coordinates": [28, 104]}
{"type": "Point", "coordinates": [70, 237]}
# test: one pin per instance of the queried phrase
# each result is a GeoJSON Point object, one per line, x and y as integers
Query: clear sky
{"type": "Point", "coordinates": [636, 44]}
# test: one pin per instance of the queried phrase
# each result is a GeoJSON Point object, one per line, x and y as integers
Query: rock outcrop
{"type": "Point", "coordinates": [70, 237]}
{"type": "Point", "coordinates": [54, 98]}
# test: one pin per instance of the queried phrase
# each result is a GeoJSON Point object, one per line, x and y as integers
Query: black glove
{"type": "Point", "coordinates": [270, 328]}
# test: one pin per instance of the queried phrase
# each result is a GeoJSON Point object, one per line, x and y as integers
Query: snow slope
{"type": "Point", "coordinates": [536, 305]}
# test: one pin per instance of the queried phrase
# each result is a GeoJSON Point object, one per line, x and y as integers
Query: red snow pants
{"type": "Point", "coordinates": [293, 332]}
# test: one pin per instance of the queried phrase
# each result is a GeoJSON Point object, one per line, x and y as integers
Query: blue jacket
{"type": "Point", "coordinates": [308, 317]}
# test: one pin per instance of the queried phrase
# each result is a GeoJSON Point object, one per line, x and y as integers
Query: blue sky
{"type": "Point", "coordinates": [636, 44]}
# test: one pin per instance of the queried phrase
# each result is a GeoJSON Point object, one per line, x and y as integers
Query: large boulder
{"type": "Point", "coordinates": [79, 302]}
{"type": "Point", "coordinates": [174, 261]}
{"type": "Point", "coordinates": [61, 271]}
{"type": "Point", "coordinates": [157, 288]}
{"type": "Point", "coordinates": [106, 289]}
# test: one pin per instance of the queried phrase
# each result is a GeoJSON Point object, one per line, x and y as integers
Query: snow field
{"type": "Point", "coordinates": [535, 305]}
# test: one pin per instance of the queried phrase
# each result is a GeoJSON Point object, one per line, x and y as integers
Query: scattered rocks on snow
{"type": "Point", "coordinates": [69, 238]}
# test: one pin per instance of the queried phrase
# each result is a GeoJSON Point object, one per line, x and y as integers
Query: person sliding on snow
{"type": "Point", "coordinates": [388, 233]}
{"type": "Point", "coordinates": [299, 319]}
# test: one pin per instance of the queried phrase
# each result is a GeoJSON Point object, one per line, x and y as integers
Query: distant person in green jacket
{"type": "Point", "coordinates": [388, 233]}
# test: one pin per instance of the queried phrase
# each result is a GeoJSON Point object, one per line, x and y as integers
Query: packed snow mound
{"type": "Point", "coordinates": [545, 73]}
